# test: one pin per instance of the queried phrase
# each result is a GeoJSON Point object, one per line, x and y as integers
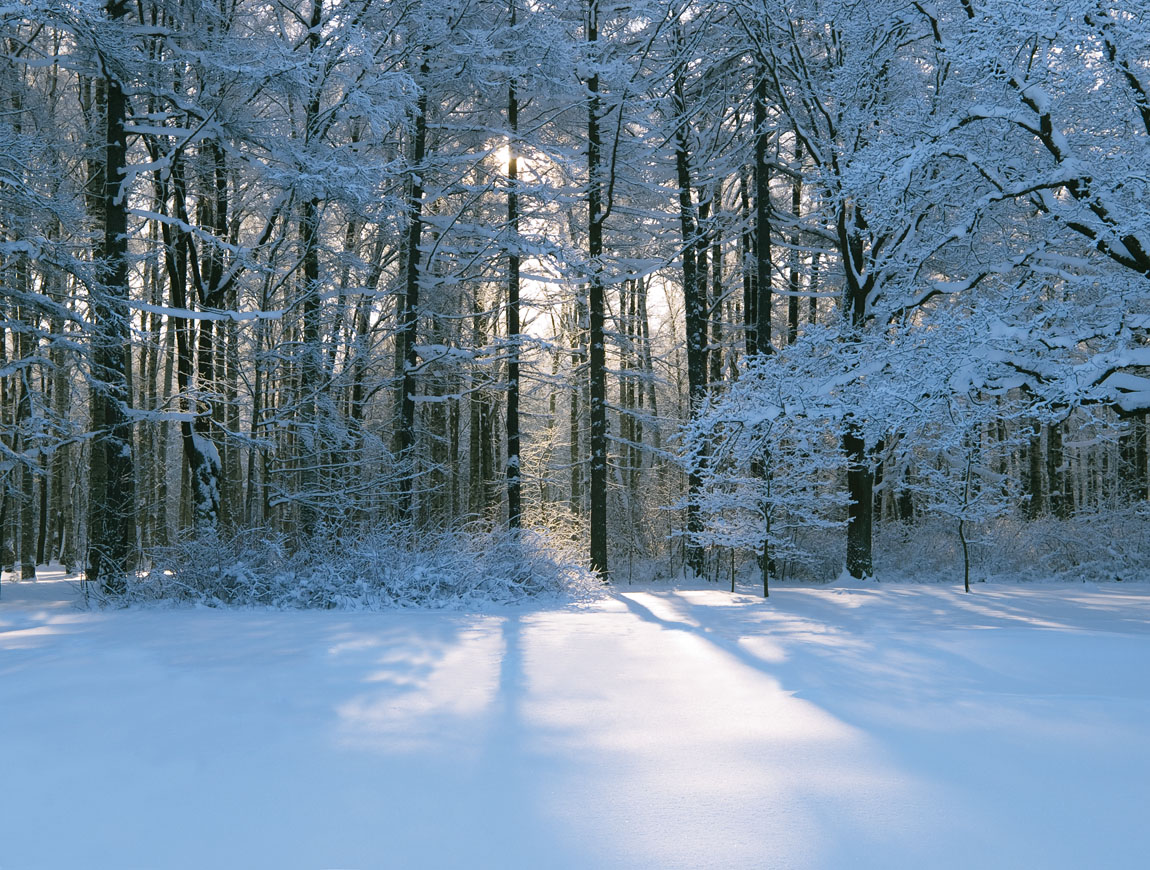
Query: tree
{"type": "Point", "coordinates": [597, 213]}
{"type": "Point", "coordinates": [514, 462]}
{"type": "Point", "coordinates": [112, 503]}
{"type": "Point", "coordinates": [863, 88]}
{"type": "Point", "coordinates": [765, 479]}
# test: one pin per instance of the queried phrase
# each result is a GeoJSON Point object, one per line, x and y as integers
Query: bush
{"type": "Point", "coordinates": [1100, 546]}
{"type": "Point", "coordinates": [384, 570]}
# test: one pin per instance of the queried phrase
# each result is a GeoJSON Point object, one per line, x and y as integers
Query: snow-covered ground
{"type": "Point", "coordinates": [839, 727]}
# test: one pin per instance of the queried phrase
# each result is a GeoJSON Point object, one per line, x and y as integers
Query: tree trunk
{"type": "Point", "coordinates": [310, 446]}
{"type": "Point", "coordinates": [814, 289]}
{"type": "Point", "coordinates": [702, 244]}
{"type": "Point", "coordinates": [794, 285]}
{"type": "Point", "coordinates": [1032, 475]}
{"type": "Point", "coordinates": [409, 304]}
{"type": "Point", "coordinates": [578, 358]}
{"type": "Point", "coordinates": [860, 476]}
{"type": "Point", "coordinates": [715, 352]}
{"type": "Point", "coordinates": [747, 252]}
{"type": "Point", "coordinates": [193, 362]}
{"type": "Point", "coordinates": [480, 427]}
{"type": "Point", "coordinates": [42, 514]}
{"type": "Point", "coordinates": [1141, 471]}
{"type": "Point", "coordinates": [514, 472]}
{"type": "Point", "coordinates": [597, 355]}
{"type": "Point", "coordinates": [860, 489]}
{"type": "Point", "coordinates": [27, 503]}
{"type": "Point", "coordinates": [311, 366]}
{"type": "Point", "coordinates": [112, 505]}
{"type": "Point", "coordinates": [1055, 473]}
{"type": "Point", "coordinates": [694, 313]}
{"type": "Point", "coordinates": [762, 220]}
{"type": "Point", "coordinates": [163, 524]}
{"type": "Point", "coordinates": [1132, 453]}
{"type": "Point", "coordinates": [61, 464]}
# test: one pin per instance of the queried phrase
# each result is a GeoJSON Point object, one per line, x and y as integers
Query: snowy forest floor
{"type": "Point", "coordinates": [837, 727]}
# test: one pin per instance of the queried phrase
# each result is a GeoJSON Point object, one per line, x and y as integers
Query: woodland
{"type": "Point", "coordinates": [315, 302]}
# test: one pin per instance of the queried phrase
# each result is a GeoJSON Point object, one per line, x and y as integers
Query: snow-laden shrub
{"type": "Point", "coordinates": [1097, 546]}
{"type": "Point", "coordinates": [383, 570]}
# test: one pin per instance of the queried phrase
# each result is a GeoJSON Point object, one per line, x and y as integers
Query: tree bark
{"type": "Point", "coordinates": [514, 471]}
{"type": "Point", "coordinates": [27, 477]}
{"type": "Point", "coordinates": [1032, 474]}
{"type": "Point", "coordinates": [597, 356]}
{"type": "Point", "coordinates": [860, 475]}
{"type": "Point", "coordinates": [311, 367]}
{"type": "Point", "coordinates": [715, 351]}
{"type": "Point", "coordinates": [747, 254]}
{"type": "Point", "coordinates": [794, 285]}
{"type": "Point", "coordinates": [1055, 474]}
{"type": "Point", "coordinates": [860, 510]}
{"type": "Point", "coordinates": [193, 362]}
{"type": "Point", "coordinates": [409, 304]}
{"type": "Point", "coordinates": [112, 505]}
{"type": "Point", "coordinates": [762, 221]}
{"type": "Point", "coordinates": [694, 313]}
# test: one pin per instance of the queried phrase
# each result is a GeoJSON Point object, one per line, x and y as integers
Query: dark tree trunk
{"type": "Point", "coordinates": [42, 514]}
{"type": "Point", "coordinates": [878, 477]}
{"type": "Point", "coordinates": [860, 488]}
{"type": "Point", "coordinates": [514, 471]}
{"type": "Point", "coordinates": [814, 289]}
{"type": "Point", "coordinates": [27, 513]}
{"type": "Point", "coordinates": [702, 269]}
{"type": "Point", "coordinates": [715, 352]}
{"type": "Point", "coordinates": [574, 453]}
{"type": "Point", "coordinates": [202, 458]}
{"type": "Point", "coordinates": [695, 315]}
{"type": "Point", "coordinates": [7, 555]}
{"type": "Point", "coordinates": [310, 370]}
{"type": "Point", "coordinates": [1141, 472]}
{"type": "Point", "coordinates": [794, 284]}
{"type": "Point", "coordinates": [762, 220]}
{"type": "Point", "coordinates": [765, 560]}
{"type": "Point", "coordinates": [860, 475]}
{"type": "Point", "coordinates": [1055, 474]}
{"type": "Point", "coordinates": [480, 426]}
{"type": "Point", "coordinates": [311, 366]}
{"type": "Point", "coordinates": [1032, 475]}
{"type": "Point", "coordinates": [747, 254]}
{"type": "Point", "coordinates": [1132, 452]}
{"type": "Point", "coordinates": [202, 450]}
{"type": "Point", "coordinates": [905, 502]}
{"type": "Point", "coordinates": [112, 505]}
{"type": "Point", "coordinates": [163, 526]}
{"type": "Point", "coordinates": [597, 357]}
{"type": "Point", "coordinates": [647, 363]}
{"type": "Point", "coordinates": [409, 304]}
{"type": "Point", "coordinates": [61, 464]}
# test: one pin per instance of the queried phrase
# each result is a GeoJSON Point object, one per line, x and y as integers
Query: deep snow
{"type": "Point", "coordinates": [837, 727]}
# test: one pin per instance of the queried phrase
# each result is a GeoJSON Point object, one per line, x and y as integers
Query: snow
{"type": "Point", "coordinates": [849, 726]}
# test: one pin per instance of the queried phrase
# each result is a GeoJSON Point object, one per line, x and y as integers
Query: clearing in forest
{"type": "Point", "coordinates": [839, 727]}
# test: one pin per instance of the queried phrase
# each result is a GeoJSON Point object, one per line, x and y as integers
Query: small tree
{"type": "Point", "coordinates": [953, 477]}
{"type": "Point", "coordinates": [771, 469]}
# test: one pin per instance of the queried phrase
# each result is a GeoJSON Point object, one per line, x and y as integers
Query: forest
{"type": "Point", "coordinates": [305, 302]}
{"type": "Point", "coordinates": [567, 434]}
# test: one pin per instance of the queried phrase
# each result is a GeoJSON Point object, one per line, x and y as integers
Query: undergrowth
{"type": "Point", "coordinates": [381, 570]}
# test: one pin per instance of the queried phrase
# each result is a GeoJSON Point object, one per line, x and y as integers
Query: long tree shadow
{"type": "Point", "coordinates": [520, 773]}
{"type": "Point", "coordinates": [915, 646]}
{"type": "Point", "coordinates": [1017, 712]}
{"type": "Point", "coordinates": [729, 645]}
